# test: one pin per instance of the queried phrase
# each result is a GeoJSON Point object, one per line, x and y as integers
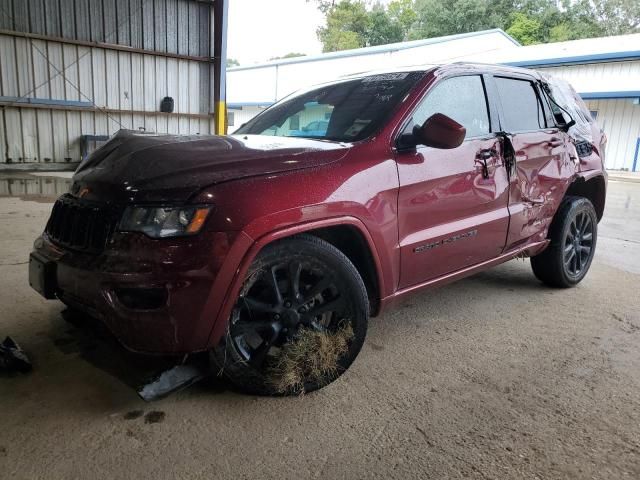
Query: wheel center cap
{"type": "Point", "coordinates": [291, 317]}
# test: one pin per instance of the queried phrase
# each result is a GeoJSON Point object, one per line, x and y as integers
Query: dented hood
{"type": "Point", "coordinates": [137, 167]}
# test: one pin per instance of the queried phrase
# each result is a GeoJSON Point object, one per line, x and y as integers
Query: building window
{"type": "Point", "coordinates": [230, 118]}
{"type": "Point", "coordinates": [294, 122]}
{"type": "Point", "coordinates": [594, 114]}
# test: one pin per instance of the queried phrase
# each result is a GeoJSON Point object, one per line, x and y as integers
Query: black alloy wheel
{"type": "Point", "coordinates": [572, 243]}
{"type": "Point", "coordinates": [578, 244]}
{"type": "Point", "coordinates": [301, 284]}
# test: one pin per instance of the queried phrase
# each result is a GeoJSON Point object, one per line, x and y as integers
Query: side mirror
{"type": "Point", "coordinates": [440, 131]}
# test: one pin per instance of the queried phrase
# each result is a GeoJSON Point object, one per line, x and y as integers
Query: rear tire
{"type": "Point", "coordinates": [298, 293]}
{"type": "Point", "coordinates": [573, 234]}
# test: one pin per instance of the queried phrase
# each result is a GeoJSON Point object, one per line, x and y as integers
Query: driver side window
{"type": "Point", "coordinates": [460, 98]}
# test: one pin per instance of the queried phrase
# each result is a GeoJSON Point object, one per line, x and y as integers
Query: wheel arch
{"type": "Point", "coordinates": [347, 234]}
{"type": "Point", "coordinates": [593, 188]}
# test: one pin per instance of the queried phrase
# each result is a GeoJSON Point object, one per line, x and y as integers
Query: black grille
{"type": "Point", "coordinates": [81, 225]}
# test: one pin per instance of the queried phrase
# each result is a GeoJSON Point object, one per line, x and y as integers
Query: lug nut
{"type": "Point", "coordinates": [302, 310]}
{"type": "Point", "coordinates": [287, 304]}
{"type": "Point", "coordinates": [276, 316]}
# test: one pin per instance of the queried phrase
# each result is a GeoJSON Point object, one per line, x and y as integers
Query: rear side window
{"type": "Point", "coordinates": [521, 105]}
{"type": "Point", "coordinates": [460, 98]}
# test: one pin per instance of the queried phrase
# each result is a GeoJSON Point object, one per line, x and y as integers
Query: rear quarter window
{"type": "Point", "coordinates": [521, 106]}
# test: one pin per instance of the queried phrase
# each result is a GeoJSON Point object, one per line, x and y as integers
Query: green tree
{"type": "Point", "coordinates": [360, 23]}
{"type": "Point", "coordinates": [436, 18]}
{"type": "Point", "coordinates": [402, 13]}
{"type": "Point", "coordinates": [232, 62]}
{"type": "Point", "coordinates": [347, 26]}
{"type": "Point", "coordinates": [525, 29]}
{"type": "Point", "coordinates": [382, 28]}
{"type": "Point", "coordinates": [614, 17]}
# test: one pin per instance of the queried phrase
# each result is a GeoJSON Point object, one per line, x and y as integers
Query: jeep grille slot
{"type": "Point", "coordinates": [80, 225]}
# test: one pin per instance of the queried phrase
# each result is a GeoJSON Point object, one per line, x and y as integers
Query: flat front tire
{"type": "Point", "coordinates": [299, 322]}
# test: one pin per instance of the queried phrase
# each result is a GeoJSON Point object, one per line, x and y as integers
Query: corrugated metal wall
{"type": "Point", "coordinates": [91, 67]}
{"type": "Point", "coordinates": [620, 119]}
{"type": "Point", "coordinates": [275, 80]}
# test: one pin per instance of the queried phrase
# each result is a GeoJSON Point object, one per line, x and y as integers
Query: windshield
{"type": "Point", "coordinates": [346, 111]}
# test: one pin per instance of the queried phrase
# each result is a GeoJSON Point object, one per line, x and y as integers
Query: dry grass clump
{"type": "Point", "coordinates": [311, 357]}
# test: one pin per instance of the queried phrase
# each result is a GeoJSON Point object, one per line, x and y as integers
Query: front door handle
{"type": "Point", "coordinates": [482, 157]}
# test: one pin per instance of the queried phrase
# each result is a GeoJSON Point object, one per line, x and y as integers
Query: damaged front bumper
{"type": "Point", "coordinates": [152, 294]}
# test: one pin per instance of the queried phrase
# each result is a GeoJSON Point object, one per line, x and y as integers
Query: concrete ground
{"type": "Point", "coordinates": [495, 376]}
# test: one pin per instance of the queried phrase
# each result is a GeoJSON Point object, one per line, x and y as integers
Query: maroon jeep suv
{"type": "Point", "coordinates": [271, 248]}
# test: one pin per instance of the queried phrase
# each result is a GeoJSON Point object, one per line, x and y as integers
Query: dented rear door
{"type": "Point", "coordinates": [541, 166]}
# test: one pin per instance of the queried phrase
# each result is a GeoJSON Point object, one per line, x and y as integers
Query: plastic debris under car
{"type": "Point", "coordinates": [13, 358]}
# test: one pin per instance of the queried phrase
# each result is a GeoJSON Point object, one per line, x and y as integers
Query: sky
{"type": "Point", "coordinates": [261, 29]}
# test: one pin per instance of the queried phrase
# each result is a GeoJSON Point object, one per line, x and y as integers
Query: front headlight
{"type": "Point", "coordinates": [159, 222]}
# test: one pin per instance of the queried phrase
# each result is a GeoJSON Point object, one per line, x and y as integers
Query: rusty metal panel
{"type": "Point", "coordinates": [204, 93]}
{"type": "Point", "coordinates": [40, 70]}
{"type": "Point", "coordinates": [82, 20]}
{"type": "Point", "coordinates": [6, 21]}
{"type": "Point", "coordinates": [112, 86]}
{"type": "Point", "coordinates": [60, 138]}
{"type": "Point", "coordinates": [150, 86]}
{"type": "Point", "coordinates": [162, 124]}
{"type": "Point", "coordinates": [73, 135]}
{"type": "Point", "coordinates": [8, 74]}
{"type": "Point", "coordinates": [135, 23]}
{"type": "Point", "coordinates": [137, 82]}
{"type": "Point", "coordinates": [52, 18]}
{"type": "Point", "coordinates": [183, 87]}
{"type": "Point", "coordinates": [183, 125]}
{"type": "Point", "coordinates": [124, 70]}
{"type": "Point", "coordinates": [96, 17]}
{"type": "Point", "coordinates": [45, 135]}
{"type": "Point", "coordinates": [70, 57]}
{"type": "Point", "coordinates": [13, 128]}
{"type": "Point", "coordinates": [87, 124]}
{"type": "Point", "coordinates": [159, 24]}
{"type": "Point", "coordinates": [20, 16]}
{"type": "Point", "coordinates": [25, 67]}
{"type": "Point", "coordinates": [67, 18]}
{"type": "Point", "coordinates": [205, 30]}
{"type": "Point", "coordinates": [36, 16]}
{"type": "Point", "coordinates": [183, 27]}
{"type": "Point", "coordinates": [150, 123]}
{"type": "Point", "coordinates": [29, 135]}
{"type": "Point", "coordinates": [122, 22]}
{"type": "Point", "coordinates": [172, 81]}
{"type": "Point", "coordinates": [85, 73]}
{"type": "Point", "coordinates": [110, 21]}
{"type": "Point", "coordinates": [172, 125]}
{"type": "Point", "coordinates": [99, 77]}
{"type": "Point", "coordinates": [56, 64]}
{"type": "Point", "coordinates": [101, 124]}
{"type": "Point", "coordinates": [148, 34]}
{"type": "Point", "coordinates": [172, 26]}
{"type": "Point", "coordinates": [160, 80]}
{"type": "Point", "coordinates": [194, 90]}
{"type": "Point", "coordinates": [193, 31]}
{"type": "Point", "coordinates": [3, 139]}
{"type": "Point", "coordinates": [137, 122]}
